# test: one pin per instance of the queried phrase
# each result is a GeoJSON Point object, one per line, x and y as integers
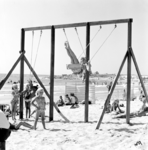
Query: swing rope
{"type": "Point", "coordinates": [80, 43]}
{"type": "Point", "coordinates": [38, 48]}
{"type": "Point", "coordinates": [66, 35]}
{"type": "Point", "coordinates": [89, 42]}
{"type": "Point", "coordinates": [103, 43]}
{"type": "Point", "coordinates": [93, 39]}
{"type": "Point", "coordinates": [32, 49]}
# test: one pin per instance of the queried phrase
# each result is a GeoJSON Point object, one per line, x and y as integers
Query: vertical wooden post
{"type": "Point", "coordinates": [52, 73]}
{"type": "Point", "coordinates": [87, 72]}
{"type": "Point", "coordinates": [129, 45]}
{"type": "Point", "coordinates": [22, 71]}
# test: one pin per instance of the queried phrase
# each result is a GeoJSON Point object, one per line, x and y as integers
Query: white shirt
{"type": "Point", "coordinates": [4, 123]}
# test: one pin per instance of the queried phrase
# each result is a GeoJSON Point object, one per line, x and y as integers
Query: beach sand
{"type": "Point", "coordinates": [114, 134]}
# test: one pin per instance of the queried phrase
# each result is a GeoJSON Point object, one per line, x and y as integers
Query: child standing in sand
{"type": "Point", "coordinates": [27, 99]}
{"type": "Point", "coordinates": [40, 106]}
{"type": "Point", "coordinates": [15, 100]}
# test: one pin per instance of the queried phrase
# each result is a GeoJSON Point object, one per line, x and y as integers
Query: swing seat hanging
{"type": "Point", "coordinates": [76, 68]}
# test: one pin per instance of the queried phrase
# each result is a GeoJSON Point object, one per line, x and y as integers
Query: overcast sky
{"type": "Point", "coordinates": [17, 14]}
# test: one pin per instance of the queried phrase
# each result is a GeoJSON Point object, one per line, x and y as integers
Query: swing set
{"type": "Point", "coordinates": [129, 54]}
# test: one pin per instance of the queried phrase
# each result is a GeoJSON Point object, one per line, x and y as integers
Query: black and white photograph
{"type": "Point", "coordinates": [73, 75]}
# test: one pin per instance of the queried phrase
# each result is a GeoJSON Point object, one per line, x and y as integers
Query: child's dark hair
{"type": "Point", "coordinates": [71, 94]}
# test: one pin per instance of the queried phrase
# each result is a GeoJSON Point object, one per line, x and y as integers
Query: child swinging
{"type": "Point", "coordinates": [84, 66]}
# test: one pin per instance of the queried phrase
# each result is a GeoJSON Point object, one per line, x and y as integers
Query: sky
{"type": "Point", "coordinates": [106, 58]}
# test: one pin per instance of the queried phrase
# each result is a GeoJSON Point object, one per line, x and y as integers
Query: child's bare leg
{"type": "Point", "coordinates": [36, 119]}
{"type": "Point", "coordinates": [43, 119]}
{"type": "Point", "coordinates": [24, 124]}
{"type": "Point", "coordinates": [33, 112]}
{"type": "Point", "coordinates": [29, 112]}
{"type": "Point", "coordinates": [15, 107]}
{"type": "Point", "coordinates": [71, 54]}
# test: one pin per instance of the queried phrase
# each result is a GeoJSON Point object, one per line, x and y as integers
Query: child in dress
{"type": "Point", "coordinates": [40, 107]}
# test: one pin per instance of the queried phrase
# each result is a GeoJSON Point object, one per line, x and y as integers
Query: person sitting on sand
{"type": "Point", "coordinates": [67, 100]}
{"type": "Point", "coordinates": [60, 102]}
{"type": "Point", "coordinates": [143, 100]}
{"type": "Point", "coordinates": [86, 66]}
{"type": "Point", "coordinates": [108, 108]}
{"type": "Point", "coordinates": [115, 105]}
{"type": "Point", "coordinates": [40, 107]}
{"type": "Point", "coordinates": [74, 101]}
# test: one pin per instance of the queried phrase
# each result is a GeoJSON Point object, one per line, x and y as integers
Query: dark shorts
{"type": "Point", "coordinates": [4, 134]}
{"type": "Point", "coordinates": [27, 104]}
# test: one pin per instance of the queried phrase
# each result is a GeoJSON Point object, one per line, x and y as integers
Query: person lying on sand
{"type": "Point", "coordinates": [16, 126]}
{"type": "Point", "coordinates": [135, 114]}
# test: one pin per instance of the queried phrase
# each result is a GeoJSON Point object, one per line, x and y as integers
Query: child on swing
{"type": "Point", "coordinates": [86, 66]}
{"type": "Point", "coordinates": [40, 106]}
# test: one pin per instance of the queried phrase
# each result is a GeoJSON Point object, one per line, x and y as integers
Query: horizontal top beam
{"type": "Point", "coordinates": [80, 24]}
{"type": "Point", "coordinates": [111, 22]}
{"type": "Point", "coordinates": [38, 28]}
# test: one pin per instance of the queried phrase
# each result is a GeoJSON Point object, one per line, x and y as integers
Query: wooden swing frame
{"type": "Point", "coordinates": [23, 59]}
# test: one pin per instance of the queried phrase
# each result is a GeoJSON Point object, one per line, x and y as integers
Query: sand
{"type": "Point", "coordinates": [114, 134]}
